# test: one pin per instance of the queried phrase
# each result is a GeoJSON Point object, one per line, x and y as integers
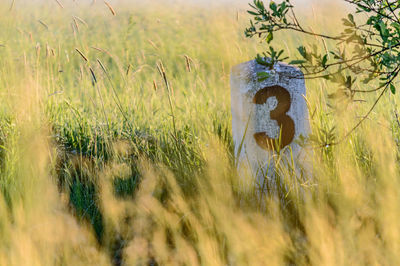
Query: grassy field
{"type": "Point", "coordinates": [116, 146]}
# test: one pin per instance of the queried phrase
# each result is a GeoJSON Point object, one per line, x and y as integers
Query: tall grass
{"type": "Point", "coordinates": [115, 146]}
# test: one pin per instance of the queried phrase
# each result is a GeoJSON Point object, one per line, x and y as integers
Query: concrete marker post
{"type": "Point", "coordinates": [267, 115]}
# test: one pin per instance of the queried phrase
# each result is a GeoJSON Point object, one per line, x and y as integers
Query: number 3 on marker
{"type": "Point", "coordinates": [285, 123]}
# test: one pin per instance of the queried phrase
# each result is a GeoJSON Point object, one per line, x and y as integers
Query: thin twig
{"type": "Point", "coordinates": [391, 10]}
{"type": "Point", "coordinates": [366, 115]}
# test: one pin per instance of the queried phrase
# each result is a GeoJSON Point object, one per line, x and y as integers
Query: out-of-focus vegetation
{"type": "Point", "coordinates": [116, 146]}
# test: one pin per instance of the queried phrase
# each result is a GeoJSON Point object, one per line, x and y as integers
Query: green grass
{"type": "Point", "coordinates": [103, 161]}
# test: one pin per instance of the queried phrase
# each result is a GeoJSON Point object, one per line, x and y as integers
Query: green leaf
{"type": "Point", "coordinates": [253, 13]}
{"type": "Point", "coordinates": [270, 37]}
{"type": "Point", "coordinates": [351, 19]}
{"type": "Point", "coordinates": [365, 8]}
{"type": "Point", "coordinates": [349, 30]}
{"type": "Point", "coordinates": [392, 88]}
{"type": "Point", "coordinates": [324, 60]}
{"type": "Point", "coordinates": [355, 39]}
{"type": "Point", "coordinates": [396, 26]}
{"type": "Point", "coordinates": [297, 62]}
{"type": "Point", "coordinates": [347, 23]}
{"type": "Point", "coordinates": [262, 76]}
{"type": "Point", "coordinates": [261, 61]}
{"type": "Point", "coordinates": [280, 53]}
{"type": "Point", "coordinates": [348, 83]}
{"type": "Point", "coordinates": [381, 26]}
{"type": "Point", "coordinates": [259, 4]}
{"type": "Point", "coordinates": [273, 6]}
{"type": "Point", "coordinates": [302, 51]}
{"type": "Point", "coordinates": [283, 7]}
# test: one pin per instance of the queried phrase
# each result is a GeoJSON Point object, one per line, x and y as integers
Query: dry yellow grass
{"type": "Point", "coordinates": [95, 171]}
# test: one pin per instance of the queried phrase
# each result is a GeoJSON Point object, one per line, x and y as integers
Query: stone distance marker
{"type": "Point", "coordinates": [265, 112]}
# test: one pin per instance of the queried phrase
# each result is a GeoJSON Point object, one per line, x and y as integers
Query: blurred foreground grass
{"type": "Point", "coordinates": [105, 162]}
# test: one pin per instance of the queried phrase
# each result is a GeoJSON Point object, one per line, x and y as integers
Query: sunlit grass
{"type": "Point", "coordinates": [104, 163]}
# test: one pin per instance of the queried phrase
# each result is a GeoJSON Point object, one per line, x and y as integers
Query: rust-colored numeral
{"type": "Point", "coordinates": [285, 123]}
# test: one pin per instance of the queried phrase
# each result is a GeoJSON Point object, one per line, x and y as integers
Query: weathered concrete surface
{"type": "Point", "coordinates": [261, 111]}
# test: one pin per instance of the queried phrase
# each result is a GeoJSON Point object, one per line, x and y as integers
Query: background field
{"type": "Point", "coordinates": [104, 161]}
